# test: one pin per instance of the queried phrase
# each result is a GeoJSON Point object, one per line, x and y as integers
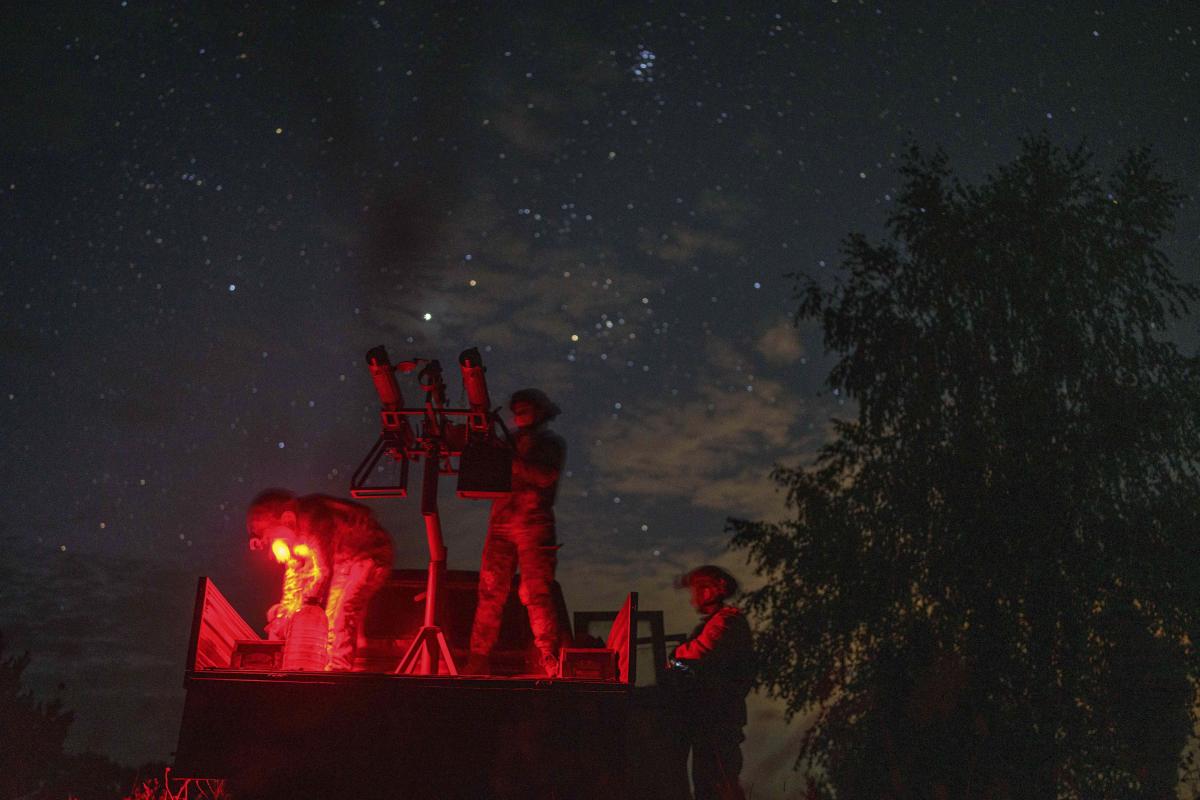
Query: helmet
{"type": "Point", "coordinates": [725, 583]}
{"type": "Point", "coordinates": [546, 408]}
{"type": "Point", "coordinates": [266, 509]}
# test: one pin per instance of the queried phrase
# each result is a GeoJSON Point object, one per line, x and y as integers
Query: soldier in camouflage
{"type": "Point", "coordinates": [337, 556]}
{"type": "Point", "coordinates": [717, 666]}
{"type": "Point", "coordinates": [521, 535]}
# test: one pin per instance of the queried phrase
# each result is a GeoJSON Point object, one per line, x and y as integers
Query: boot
{"type": "Point", "coordinates": [550, 665]}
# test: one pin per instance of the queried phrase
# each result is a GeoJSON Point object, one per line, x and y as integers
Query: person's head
{"type": "Point", "coordinates": [531, 407]}
{"type": "Point", "coordinates": [710, 587]}
{"type": "Point", "coordinates": [271, 516]}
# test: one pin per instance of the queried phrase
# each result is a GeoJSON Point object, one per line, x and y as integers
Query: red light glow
{"type": "Point", "coordinates": [303, 574]}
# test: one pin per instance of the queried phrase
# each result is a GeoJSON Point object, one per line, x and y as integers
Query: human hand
{"type": "Point", "coordinates": [276, 622]}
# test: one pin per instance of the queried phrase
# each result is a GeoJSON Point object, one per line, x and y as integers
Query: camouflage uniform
{"type": "Point", "coordinates": [350, 558]}
{"type": "Point", "coordinates": [521, 535]}
{"type": "Point", "coordinates": [721, 653]}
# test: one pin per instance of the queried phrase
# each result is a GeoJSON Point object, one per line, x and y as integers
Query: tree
{"type": "Point", "coordinates": [33, 763]}
{"type": "Point", "coordinates": [990, 580]}
{"type": "Point", "coordinates": [32, 732]}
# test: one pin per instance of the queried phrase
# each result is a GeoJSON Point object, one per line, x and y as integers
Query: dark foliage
{"type": "Point", "coordinates": [91, 776]}
{"type": "Point", "coordinates": [991, 581]}
{"type": "Point", "coordinates": [33, 763]}
{"type": "Point", "coordinates": [32, 732]}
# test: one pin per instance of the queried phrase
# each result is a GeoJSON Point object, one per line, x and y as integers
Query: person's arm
{"type": "Point", "coordinates": [303, 579]}
{"type": "Point", "coordinates": [711, 642]}
{"type": "Point", "coordinates": [293, 589]}
{"type": "Point", "coordinates": [539, 460]}
{"type": "Point", "coordinates": [312, 575]}
{"type": "Point", "coordinates": [277, 621]}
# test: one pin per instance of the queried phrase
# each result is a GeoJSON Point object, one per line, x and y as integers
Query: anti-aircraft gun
{"type": "Point", "coordinates": [481, 445]}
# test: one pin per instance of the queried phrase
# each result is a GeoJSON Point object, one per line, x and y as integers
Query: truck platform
{"type": "Point", "coordinates": [371, 733]}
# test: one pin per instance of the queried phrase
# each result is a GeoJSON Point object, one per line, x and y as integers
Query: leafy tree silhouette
{"type": "Point", "coordinates": [33, 732]}
{"type": "Point", "coordinates": [990, 582]}
{"type": "Point", "coordinates": [33, 763]}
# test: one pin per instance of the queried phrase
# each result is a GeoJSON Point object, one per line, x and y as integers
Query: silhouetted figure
{"type": "Point", "coordinates": [714, 670]}
{"type": "Point", "coordinates": [336, 556]}
{"type": "Point", "coordinates": [521, 535]}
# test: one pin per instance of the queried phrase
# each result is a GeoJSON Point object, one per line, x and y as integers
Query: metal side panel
{"type": "Point", "coordinates": [367, 736]}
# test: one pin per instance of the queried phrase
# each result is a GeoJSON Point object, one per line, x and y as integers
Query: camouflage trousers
{"type": "Point", "coordinates": [351, 587]}
{"type": "Point", "coordinates": [532, 549]}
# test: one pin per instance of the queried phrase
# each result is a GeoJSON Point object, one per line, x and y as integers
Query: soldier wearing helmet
{"type": "Point", "coordinates": [335, 556]}
{"type": "Point", "coordinates": [716, 663]}
{"type": "Point", "coordinates": [521, 535]}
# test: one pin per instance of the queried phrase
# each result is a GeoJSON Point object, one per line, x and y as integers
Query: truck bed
{"type": "Point", "coordinates": [367, 734]}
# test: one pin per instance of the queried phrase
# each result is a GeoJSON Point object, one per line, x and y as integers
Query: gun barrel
{"type": "Point", "coordinates": [384, 377]}
{"type": "Point", "coordinates": [475, 384]}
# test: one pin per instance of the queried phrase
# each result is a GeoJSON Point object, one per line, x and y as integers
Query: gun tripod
{"type": "Point", "coordinates": [430, 643]}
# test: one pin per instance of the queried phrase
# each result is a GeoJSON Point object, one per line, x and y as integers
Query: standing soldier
{"type": "Point", "coordinates": [521, 535]}
{"type": "Point", "coordinates": [717, 662]}
{"type": "Point", "coordinates": [337, 557]}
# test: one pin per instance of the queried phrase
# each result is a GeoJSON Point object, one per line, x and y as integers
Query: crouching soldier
{"type": "Point", "coordinates": [336, 556]}
{"type": "Point", "coordinates": [713, 671]}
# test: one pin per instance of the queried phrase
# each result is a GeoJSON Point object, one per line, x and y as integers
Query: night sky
{"type": "Point", "coordinates": [209, 217]}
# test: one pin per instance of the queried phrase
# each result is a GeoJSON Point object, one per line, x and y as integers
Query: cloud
{"type": "Point", "coordinates": [728, 210]}
{"type": "Point", "coordinates": [522, 304]}
{"type": "Point", "coordinates": [771, 747]}
{"type": "Point", "coordinates": [508, 288]}
{"type": "Point", "coordinates": [684, 245]}
{"type": "Point", "coordinates": [521, 130]}
{"type": "Point", "coordinates": [780, 343]}
{"type": "Point", "coordinates": [713, 444]}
